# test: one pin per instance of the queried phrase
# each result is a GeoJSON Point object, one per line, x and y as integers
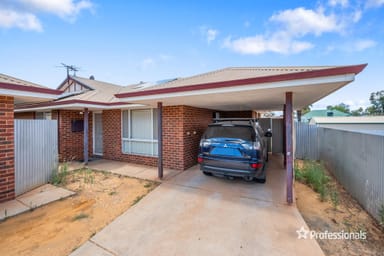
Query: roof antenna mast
{"type": "Point", "coordinates": [72, 68]}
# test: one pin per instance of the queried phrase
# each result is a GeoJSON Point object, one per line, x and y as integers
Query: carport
{"type": "Point", "coordinates": [239, 89]}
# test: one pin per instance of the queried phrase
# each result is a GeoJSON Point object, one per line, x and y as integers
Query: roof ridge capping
{"type": "Point", "coordinates": [321, 71]}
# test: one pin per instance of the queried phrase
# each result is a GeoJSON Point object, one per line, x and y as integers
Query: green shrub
{"type": "Point", "coordinates": [312, 173]}
{"type": "Point", "coordinates": [59, 176]}
{"type": "Point", "coordinates": [88, 176]}
{"type": "Point", "coordinates": [381, 215]}
{"type": "Point", "coordinates": [80, 216]}
{"type": "Point", "coordinates": [335, 199]}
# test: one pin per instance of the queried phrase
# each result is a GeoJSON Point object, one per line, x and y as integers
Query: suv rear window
{"type": "Point", "coordinates": [238, 132]}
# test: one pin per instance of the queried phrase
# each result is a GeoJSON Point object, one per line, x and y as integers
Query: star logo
{"type": "Point", "coordinates": [302, 233]}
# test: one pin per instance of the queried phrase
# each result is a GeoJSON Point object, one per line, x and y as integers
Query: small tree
{"type": "Point", "coordinates": [306, 110]}
{"type": "Point", "coordinates": [377, 101]}
{"type": "Point", "coordinates": [342, 107]}
{"type": "Point", "coordinates": [358, 112]}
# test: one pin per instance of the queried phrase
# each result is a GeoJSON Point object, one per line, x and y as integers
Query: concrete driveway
{"type": "Point", "coordinates": [192, 214]}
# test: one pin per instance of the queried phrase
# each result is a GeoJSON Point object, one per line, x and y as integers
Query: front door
{"type": "Point", "coordinates": [97, 134]}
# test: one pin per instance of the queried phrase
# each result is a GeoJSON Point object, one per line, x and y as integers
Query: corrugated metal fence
{"type": "Point", "coordinates": [356, 159]}
{"type": "Point", "coordinates": [275, 144]}
{"type": "Point", "coordinates": [36, 153]}
{"type": "Point", "coordinates": [307, 141]}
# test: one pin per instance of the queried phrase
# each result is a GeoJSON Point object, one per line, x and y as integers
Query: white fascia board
{"type": "Point", "coordinates": [29, 94]}
{"type": "Point", "coordinates": [250, 87]}
{"type": "Point", "coordinates": [80, 106]}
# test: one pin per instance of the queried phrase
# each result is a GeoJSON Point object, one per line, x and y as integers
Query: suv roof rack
{"type": "Point", "coordinates": [251, 120]}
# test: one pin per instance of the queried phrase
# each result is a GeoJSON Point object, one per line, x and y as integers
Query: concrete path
{"type": "Point", "coordinates": [35, 198]}
{"type": "Point", "coordinates": [127, 169]}
{"type": "Point", "coordinates": [192, 214]}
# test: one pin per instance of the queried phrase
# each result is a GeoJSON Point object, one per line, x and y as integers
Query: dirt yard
{"type": "Point", "coordinates": [347, 216]}
{"type": "Point", "coordinates": [62, 226]}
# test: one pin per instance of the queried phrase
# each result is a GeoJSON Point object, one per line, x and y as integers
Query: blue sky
{"type": "Point", "coordinates": [125, 42]}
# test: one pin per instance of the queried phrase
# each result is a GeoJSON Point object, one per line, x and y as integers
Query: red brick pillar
{"type": "Point", "coordinates": [7, 155]}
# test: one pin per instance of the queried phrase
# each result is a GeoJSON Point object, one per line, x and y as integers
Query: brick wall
{"type": "Point", "coordinates": [7, 157]}
{"type": "Point", "coordinates": [25, 115]}
{"type": "Point", "coordinates": [173, 136]}
{"type": "Point", "coordinates": [182, 130]}
{"type": "Point", "coordinates": [71, 143]}
{"type": "Point", "coordinates": [195, 122]}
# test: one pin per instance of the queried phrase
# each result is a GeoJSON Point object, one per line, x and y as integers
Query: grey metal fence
{"type": "Point", "coordinates": [307, 140]}
{"type": "Point", "coordinates": [355, 158]}
{"type": "Point", "coordinates": [36, 156]}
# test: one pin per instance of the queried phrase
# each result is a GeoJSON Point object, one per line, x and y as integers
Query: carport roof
{"type": "Point", "coordinates": [248, 88]}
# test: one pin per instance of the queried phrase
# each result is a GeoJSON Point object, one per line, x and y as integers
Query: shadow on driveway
{"type": "Point", "coordinates": [194, 214]}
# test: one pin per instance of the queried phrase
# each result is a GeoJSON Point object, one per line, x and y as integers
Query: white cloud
{"type": "Point", "coordinates": [154, 61]}
{"type": "Point", "coordinates": [363, 44]}
{"type": "Point", "coordinates": [259, 44]}
{"type": "Point", "coordinates": [374, 3]}
{"type": "Point", "coordinates": [301, 21]}
{"type": "Point", "coordinates": [209, 34]}
{"type": "Point", "coordinates": [293, 25]}
{"type": "Point", "coordinates": [62, 8]}
{"type": "Point", "coordinates": [290, 31]}
{"type": "Point", "coordinates": [357, 16]}
{"type": "Point", "coordinates": [23, 14]}
{"type": "Point", "coordinates": [147, 63]}
{"type": "Point", "coordinates": [342, 3]}
{"type": "Point", "coordinates": [25, 21]}
{"type": "Point", "coordinates": [357, 45]}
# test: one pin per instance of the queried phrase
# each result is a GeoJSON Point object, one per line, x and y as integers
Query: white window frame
{"type": "Point", "coordinates": [128, 140]}
{"type": "Point", "coordinates": [93, 132]}
{"type": "Point", "coordinates": [47, 115]}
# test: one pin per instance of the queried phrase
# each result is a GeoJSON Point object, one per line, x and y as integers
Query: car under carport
{"type": "Point", "coordinates": [246, 89]}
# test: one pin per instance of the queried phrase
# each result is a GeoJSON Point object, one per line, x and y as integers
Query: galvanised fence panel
{"type": "Point", "coordinates": [355, 158]}
{"type": "Point", "coordinates": [36, 153]}
{"type": "Point", "coordinates": [277, 135]}
{"type": "Point", "coordinates": [307, 141]}
{"type": "Point", "coordinates": [357, 161]}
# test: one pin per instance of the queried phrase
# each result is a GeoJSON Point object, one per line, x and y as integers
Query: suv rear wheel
{"type": "Point", "coordinates": [207, 173]}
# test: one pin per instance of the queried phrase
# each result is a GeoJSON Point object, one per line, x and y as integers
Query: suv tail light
{"type": "Point", "coordinates": [199, 159]}
{"type": "Point", "coordinates": [256, 165]}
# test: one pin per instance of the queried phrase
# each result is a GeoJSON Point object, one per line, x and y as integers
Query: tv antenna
{"type": "Point", "coordinates": [72, 68]}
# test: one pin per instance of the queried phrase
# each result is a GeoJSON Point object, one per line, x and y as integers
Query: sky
{"type": "Point", "coordinates": [125, 42]}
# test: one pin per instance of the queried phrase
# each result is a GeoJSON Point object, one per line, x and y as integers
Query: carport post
{"type": "Point", "coordinates": [289, 144]}
{"type": "Point", "coordinates": [299, 115]}
{"type": "Point", "coordinates": [160, 139]}
{"type": "Point", "coordinates": [86, 136]}
{"type": "Point", "coordinates": [284, 136]}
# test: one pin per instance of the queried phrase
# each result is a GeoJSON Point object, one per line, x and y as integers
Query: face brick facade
{"type": "Point", "coordinates": [71, 143]}
{"type": "Point", "coordinates": [7, 157]}
{"type": "Point", "coordinates": [183, 127]}
{"type": "Point", "coordinates": [182, 130]}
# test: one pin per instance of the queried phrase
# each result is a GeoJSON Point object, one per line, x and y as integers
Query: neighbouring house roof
{"type": "Point", "coordinates": [25, 91]}
{"type": "Point", "coordinates": [16, 81]}
{"type": "Point", "coordinates": [95, 94]}
{"type": "Point", "coordinates": [241, 88]}
{"type": "Point", "coordinates": [349, 120]}
{"type": "Point", "coordinates": [323, 113]}
{"type": "Point", "coordinates": [98, 91]}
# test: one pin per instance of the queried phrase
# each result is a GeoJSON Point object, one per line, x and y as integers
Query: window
{"type": "Point", "coordinates": [43, 115]}
{"type": "Point", "coordinates": [139, 131]}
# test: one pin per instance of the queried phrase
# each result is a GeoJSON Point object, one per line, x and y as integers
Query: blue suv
{"type": "Point", "coordinates": [234, 148]}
